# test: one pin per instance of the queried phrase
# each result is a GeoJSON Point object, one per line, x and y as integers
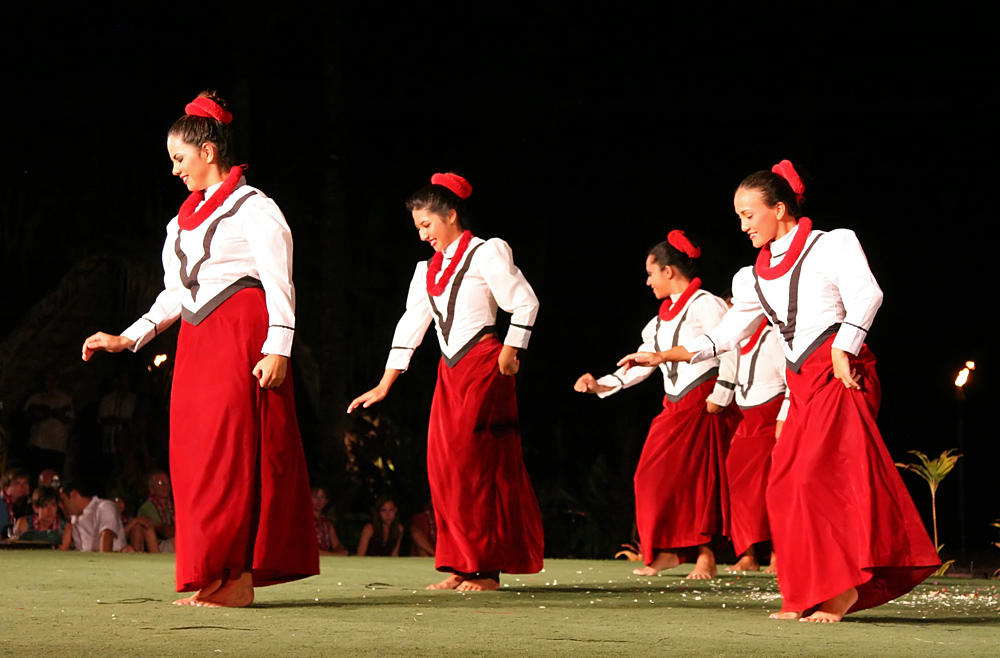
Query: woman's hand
{"type": "Point", "coordinates": [377, 394]}
{"type": "Point", "coordinates": [587, 384]}
{"type": "Point", "coordinates": [507, 362]}
{"type": "Point", "coordinates": [713, 408]}
{"type": "Point", "coordinates": [648, 359]}
{"type": "Point", "coordinates": [105, 342]}
{"type": "Point", "coordinates": [271, 370]}
{"type": "Point", "coordinates": [777, 429]}
{"type": "Point", "coordinates": [842, 369]}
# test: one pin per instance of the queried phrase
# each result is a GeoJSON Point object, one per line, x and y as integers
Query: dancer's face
{"type": "Point", "coordinates": [760, 222]}
{"type": "Point", "coordinates": [658, 278]}
{"type": "Point", "coordinates": [195, 166]}
{"type": "Point", "coordinates": [435, 229]}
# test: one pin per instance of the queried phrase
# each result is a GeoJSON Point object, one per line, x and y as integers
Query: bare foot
{"type": "Point", "coordinates": [478, 585]}
{"type": "Point", "coordinates": [773, 566]}
{"type": "Point", "coordinates": [785, 615]}
{"type": "Point", "coordinates": [451, 582]}
{"type": "Point", "coordinates": [234, 593]}
{"type": "Point", "coordinates": [663, 560]}
{"type": "Point", "coordinates": [834, 609]}
{"type": "Point", "coordinates": [748, 562]}
{"type": "Point", "coordinates": [704, 567]}
{"type": "Point", "coordinates": [200, 594]}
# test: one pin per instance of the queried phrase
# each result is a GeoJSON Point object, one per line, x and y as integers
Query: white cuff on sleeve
{"type": "Point", "coordinates": [702, 347]}
{"type": "Point", "coordinates": [518, 336]}
{"type": "Point", "coordinates": [279, 341]}
{"type": "Point", "coordinates": [141, 332]}
{"type": "Point", "coordinates": [399, 358]}
{"type": "Point", "coordinates": [721, 394]}
{"type": "Point", "coordinates": [850, 338]}
{"type": "Point", "coordinates": [610, 380]}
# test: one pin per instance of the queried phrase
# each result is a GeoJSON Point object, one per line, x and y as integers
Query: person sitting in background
{"type": "Point", "coordinates": [159, 510]}
{"type": "Point", "coordinates": [326, 534]}
{"type": "Point", "coordinates": [45, 524]}
{"type": "Point", "coordinates": [50, 413]}
{"type": "Point", "coordinates": [97, 525]}
{"type": "Point", "coordinates": [383, 535]}
{"type": "Point", "coordinates": [14, 490]}
{"type": "Point", "coordinates": [423, 532]}
{"type": "Point", "coordinates": [49, 478]}
{"type": "Point", "coordinates": [139, 532]}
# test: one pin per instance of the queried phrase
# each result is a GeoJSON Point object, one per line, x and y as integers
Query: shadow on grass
{"type": "Point", "coordinates": [929, 621]}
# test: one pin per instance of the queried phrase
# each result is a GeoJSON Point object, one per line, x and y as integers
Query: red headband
{"type": "Point", "coordinates": [453, 182]}
{"type": "Point", "coordinates": [680, 242]}
{"type": "Point", "coordinates": [203, 106]}
{"type": "Point", "coordinates": [787, 171]}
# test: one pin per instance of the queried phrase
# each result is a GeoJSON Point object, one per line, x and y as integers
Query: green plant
{"type": "Point", "coordinates": [933, 471]}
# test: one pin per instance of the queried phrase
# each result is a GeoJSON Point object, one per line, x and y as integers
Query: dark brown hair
{"type": "Point", "coordinates": [439, 200]}
{"type": "Point", "coordinates": [773, 188]}
{"type": "Point", "coordinates": [198, 131]}
{"type": "Point", "coordinates": [664, 254]}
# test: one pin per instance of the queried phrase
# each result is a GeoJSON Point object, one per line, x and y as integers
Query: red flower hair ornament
{"type": "Point", "coordinates": [787, 171]}
{"type": "Point", "coordinates": [453, 182]}
{"type": "Point", "coordinates": [203, 106]}
{"type": "Point", "coordinates": [681, 243]}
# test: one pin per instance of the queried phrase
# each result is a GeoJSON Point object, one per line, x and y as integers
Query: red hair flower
{"type": "Point", "coordinates": [680, 242]}
{"type": "Point", "coordinates": [453, 182]}
{"type": "Point", "coordinates": [203, 106]}
{"type": "Point", "coordinates": [787, 171]}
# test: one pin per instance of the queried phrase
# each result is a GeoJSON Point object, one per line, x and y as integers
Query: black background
{"type": "Point", "coordinates": [588, 131]}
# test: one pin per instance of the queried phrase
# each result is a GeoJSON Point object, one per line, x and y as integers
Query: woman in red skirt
{"type": "Point", "coordinates": [241, 492]}
{"type": "Point", "coordinates": [845, 530]}
{"type": "Point", "coordinates": [485, 512]}
{"type": "Point", "coordinates": [760, 395]}
{"type": "Point", "coordinates": [681, 494]}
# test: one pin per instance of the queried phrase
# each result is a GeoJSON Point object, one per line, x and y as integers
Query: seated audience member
{"type": "Point", "coordinates": [96, 523]}
{"type": "Point", "coordinates": [326, 535]}
{"type": "Point", "coordinates": [159, 510]}
{"type": "Point", "coordinates": [50, 414]}
{"type": "Point", "coordinates": [14, 490]}
{"type": "Point", "coordinates": [383, 535]}
{"type": "Point", "coordinates": [49, 478]}
{"type": "Point", "coordinates": [423, 532]}
{"type": "Point", "coordinates": [45, 524]}
{"type": "Point", "coordinates": [139, 532]}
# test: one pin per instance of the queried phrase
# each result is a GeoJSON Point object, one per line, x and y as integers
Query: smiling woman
{"type": "Point", "coordinates": [486, 514]}
{"type": "Point", "coordinates": [241, 492]}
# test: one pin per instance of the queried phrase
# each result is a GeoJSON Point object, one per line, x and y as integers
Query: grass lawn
{"type": "Point", "coordinates": [92, 604]}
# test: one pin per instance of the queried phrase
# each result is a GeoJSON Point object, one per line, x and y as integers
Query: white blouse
{"type": "Point", "coordinates": [244, 243]}
{"type": "Point", "coordinates": [702, 312]}
{"type": "Point", "coordinates": [485, 278]}
{"type": "Point", "coordinates": [760, 373]}
{"type": "Point", "coordinates": [830, 290]}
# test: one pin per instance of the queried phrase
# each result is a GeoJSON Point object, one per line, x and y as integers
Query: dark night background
{"type": "Point", "coordinates": [587, 131]}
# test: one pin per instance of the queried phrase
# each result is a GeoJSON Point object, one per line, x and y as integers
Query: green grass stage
{"type": "Point", "coordinates": [70, 604]}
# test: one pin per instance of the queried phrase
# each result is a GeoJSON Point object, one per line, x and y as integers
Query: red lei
{"type": "Point", "coordinates": [436, 286]}
{"type": "Point", "coordinates": [669, 308]}
{"type": "Point", "coordinates": [746, 349]}
{"type": "Point", "coordinates": [763, 266]}
{"type": "Point", "coordinates": [188, 219]}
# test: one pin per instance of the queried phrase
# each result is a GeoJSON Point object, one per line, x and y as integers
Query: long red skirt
{"type": "Point", "coordinates": [840, 514]}
{"type": "Point", "coordinates": [484, 505]}
{"type": "Point", "coordinates": [681, 494]}
{"type": "Point", "coordinates": [241, 490]}
{"type": "Point", "coordinates": [747, 468]}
